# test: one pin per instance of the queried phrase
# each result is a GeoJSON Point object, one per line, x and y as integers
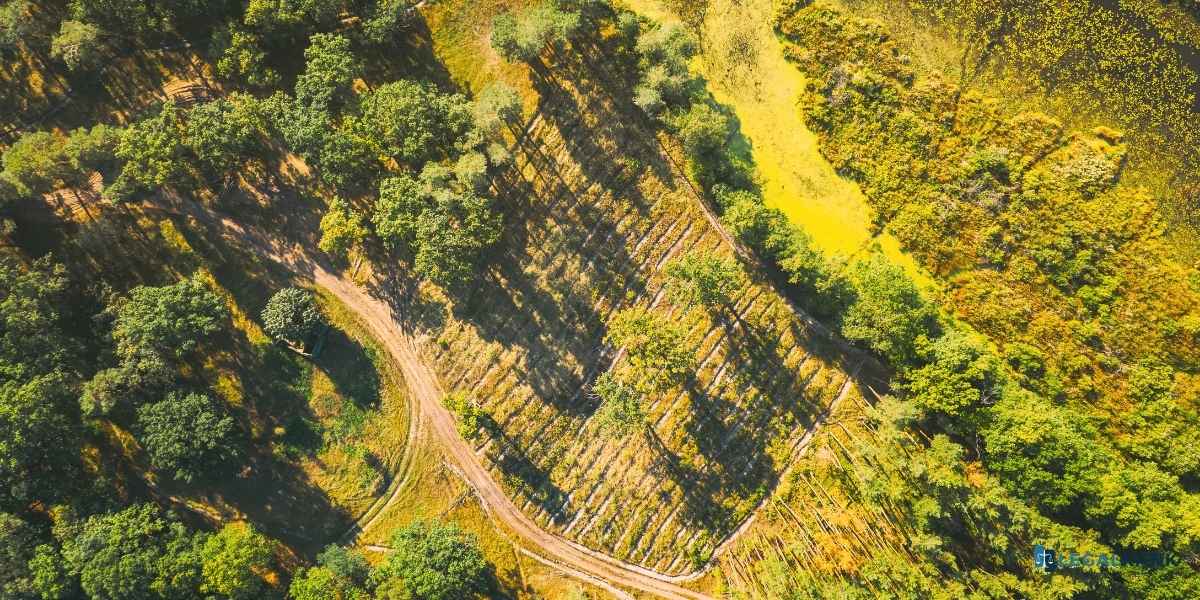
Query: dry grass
{"type": "Point", "coordinates": [595, 211]}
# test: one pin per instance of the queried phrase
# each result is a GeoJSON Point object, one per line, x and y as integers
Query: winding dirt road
{"type": "Point", "coordinates": [384, 322]}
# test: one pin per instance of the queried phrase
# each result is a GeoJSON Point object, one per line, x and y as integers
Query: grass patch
{"type": "Point", "coordinates": [743, 64]}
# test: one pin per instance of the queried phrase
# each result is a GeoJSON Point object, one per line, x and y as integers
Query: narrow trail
{"type": "Point", "coordinates": [381, 309]}
{"type": "Point", "coordinates": [383, 319]}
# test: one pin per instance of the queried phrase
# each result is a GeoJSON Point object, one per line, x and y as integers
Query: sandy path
{"type": "Point", "coordinates": [425, 390]}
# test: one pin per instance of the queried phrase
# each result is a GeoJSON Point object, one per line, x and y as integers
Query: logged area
{"type": "Point", "coordinates": [599, 210]}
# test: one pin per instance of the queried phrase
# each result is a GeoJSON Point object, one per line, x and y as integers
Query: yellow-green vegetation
{"type": "Point", "coordinates": [1042, 243]}
{"type": "Point", "coordinates": [433, 490]}
{"type": "Point", "coordinates": [745, 69]}
{"type": "Point", "coordinates": [1130, 64]}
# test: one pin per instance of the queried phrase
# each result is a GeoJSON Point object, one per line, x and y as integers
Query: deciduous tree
{"type": "Point", "coordinates": [412, 121]}
{"type": "Point", "coordinates": [292, 314]}
{"type": "Point", "coordinates": [185, 435]}
{"type": "Point", "coordinates": [341, 229]}
{"type": "Point", "coordinates": [620, 412]}
{"type": "Point", "coordinates": [888, 313]}
{"type": "Point", "coordinates": [522, 35]}
{"type": "Point", "coordinates": [704, 278]}
{"type": "Point", "coordinates": [398, 210]}
{"type": "Point", "coordinates": [169, 320]}
{"type": "Point", "coordinates": [435, 561]}
{"type": "Point", "coordinates": [657, 348]}
{"type": "Point", "coordinates": [234, 562]}
{"type": "Point", "coordinates": [80, 45]}
{"type": "Point", "coordinates": [452, 235]}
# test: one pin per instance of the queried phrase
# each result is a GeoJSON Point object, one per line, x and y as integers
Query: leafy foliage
{"type": "Point", "coordinates": [704, 278]}
{"type": "Point", "coordinates": [435, 561]}
{"type": "Point", "coordinates": [621, 412]}
{"type": "Point", "coordinates": [223, 132]}
{"type": "Point", "coordinates": [329, 70]}
{"type": "Point", "coordinates": [292, 314]}
{"type": "Point", "coordinates": [168, 320]}
{"type": "Point", "coordinates": [412, 122]}
{"type": "Point", "coordinates": [185, 435]}
{"type": "Point", "coordinates": [452, 235]}
{"type": "Point", "coordinates": [341, 229]}
{"type": "Point", "coordinates": [233, 562]}
{"type": "Point", "coordinates": [152, 151]}
{"type": "Point", "coordinates": [78, 44]}
{"type": "Point", "coordinates": [38, 433]}
{"type": "Point", "coordinates": [664, 52]}
{"type": "Point", "coordinates": [524, 34]}
{"type": "Point", "coordinates": [133, 554]}
{"type": "Point", "coordinates": [657, 348]}
{"type": "Point", "coordinates": [888, 313]}
{"type": "Point", "coordinates": [469, 414]}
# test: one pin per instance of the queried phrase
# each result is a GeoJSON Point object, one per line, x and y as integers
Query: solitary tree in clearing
{"type": "Point", "coordinates": [704, 278]}
{"type": "Point", "coordinates": [656, 347]}
{"type": "Point", "coordinates": [292, 315]}
{"type": "Point", "coordinates": [620, 412]}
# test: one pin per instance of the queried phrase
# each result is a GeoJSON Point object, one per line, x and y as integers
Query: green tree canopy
{"type": "Point", "coordinates": [322, 583]}
{"type": "Point", "coordinates": [412, 121]}
{"type": "Point", "coordinates": [292, 314]}
{"type": "Point", "coordinates": [704, 278]}
{"type": "Point", "coordinates": [223, 132]}
{"type": "Point", "coordinates": [18, 543]}
{"type": "Point", "coordinates": [387, 18]}
{"type": "Point", "coordinates": [888, 313]}
{"type": "Point", "coordinates": [169, 320]}
{"type": "Point", "coordinates": [242, 57]}
{"type": "Point", "coordinates": [435, 561]}
{"type": "Point", "coordinates": [452, 235]}
{"type": "Point", "coordinates": [524, 34]}
{"type": "Point", "coordinates": [92, 149]}
{"type": "Point", "coordinates": [958, 378]}
{"type": "Point", "coordinates": [657, 348]}
{"type": "Point", "coordinates": [80, 45]}
{"type": "Point", "coordinates": [32, 341]}
{"type": "Point", "coordinates": [38, 428]}
{"type": "Point", "coordinates": [663, 56]}
{"type": "Point", "coordinates": [621, 412]}
{"type": "Point", "coordinates": [398, 210]}
{"type": "Point", "coordinates": [466, 409]}
{"type": "Point", "coordinates": [153, 153]}
{"type": "Point", "coordinates": [497, 105]}
{"type": "Point", "coordinates": [136, 378]}
{"type": "Point", "coordinates": [134, 554]}
{"type": "Point", "coordinates": [185, 435]}
{"type": "Point", "coordinates": [329, 71]}
{"type": "Point", "coordinates": [16, 23]}
{"type": "Point", "coordinates": [234, 562]}
{"type": "Point", "coordinates": [35, 162]}
{"type": "Point", "coordinates": [1042, 452]}
{"type": "Point", "coordinates": [341, 229]}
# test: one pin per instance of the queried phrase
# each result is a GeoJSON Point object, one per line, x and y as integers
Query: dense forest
{"type": "Point", "coordinates": [1045, 389]}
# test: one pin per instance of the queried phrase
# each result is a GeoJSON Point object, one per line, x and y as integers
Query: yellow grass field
{"type": "Point", "coordinates": [745, 69]}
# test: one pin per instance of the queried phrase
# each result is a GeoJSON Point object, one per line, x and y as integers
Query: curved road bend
{"type": "Point", "coordinates": [425, 389]}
